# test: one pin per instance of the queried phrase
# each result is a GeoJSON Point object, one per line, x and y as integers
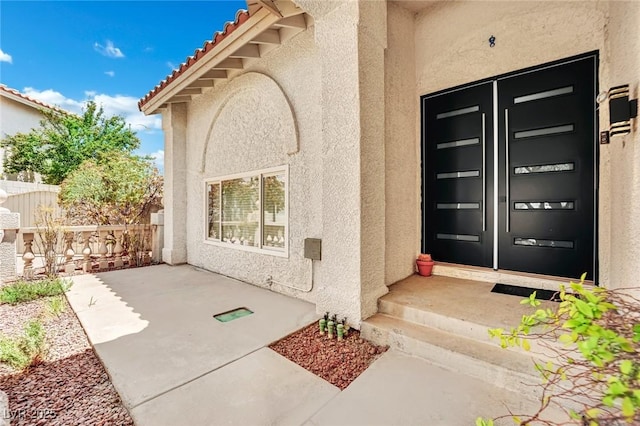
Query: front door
{"type": "Point", "coordinates": [509, 178]}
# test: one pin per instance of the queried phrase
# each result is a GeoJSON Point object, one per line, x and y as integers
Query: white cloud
{"type": "Point", "coordinates": [90, 93]}
{"type": "Point", "coordinates": [110, 73]}
{"type": "Point", "coordinates": [109, 49]}
{"type": "Point", "coordinates": [5, 57]}
{"type": "Point", "coordinates": [54, 98]}
{"type": "Point", "coordinates": [171, 65]}
{"type": "Point", "coordinates": [125, 106]}
{"type": "Point", "coordinates": [158, 158]}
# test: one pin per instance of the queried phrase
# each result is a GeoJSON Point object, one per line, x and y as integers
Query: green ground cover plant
{"type": "Point", "coordinates": [25, 291]}
{"type": "Point", "coordinates": [25, 350]}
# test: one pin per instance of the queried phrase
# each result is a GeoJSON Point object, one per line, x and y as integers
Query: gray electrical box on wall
{"type": "Point", "coordinates": [313, 248]}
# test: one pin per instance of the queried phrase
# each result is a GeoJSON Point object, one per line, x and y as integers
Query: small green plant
{"type": "Point", "coordinates": [595, 366]}
{"type": "Point", "coordinates": [25, 350]}
{"type": "Point", "coordinates": [25, 291]}
{"type": "Point", "coordinates": [56, 306]}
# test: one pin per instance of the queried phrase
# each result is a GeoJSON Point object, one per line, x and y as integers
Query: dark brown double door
{"type": "Point", "coordinates": [509, 171]}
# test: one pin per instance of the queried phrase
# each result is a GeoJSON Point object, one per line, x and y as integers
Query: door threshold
{"type": "Point", "coordinates": [520, 279]}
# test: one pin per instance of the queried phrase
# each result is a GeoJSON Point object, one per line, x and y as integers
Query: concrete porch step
{"type": "Point", "coordinates": [446, 320]}
{"type": "Point", "coordinates": [508, 369]}
{"type": "Point", "coordinates": [521, 279]}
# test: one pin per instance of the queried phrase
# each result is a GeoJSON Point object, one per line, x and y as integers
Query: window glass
{"type": "Point", "coordinates": [274, 214]}
{"type": "Point", "coordinates": [249, 211]}
{"type": "Point", "coordinates": [213, 191]}
{"type": "Point", "coordinates": [241, 211]}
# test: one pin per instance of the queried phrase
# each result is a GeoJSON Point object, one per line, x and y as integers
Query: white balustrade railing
{"type": "Point", "coordinates": [91, 248]}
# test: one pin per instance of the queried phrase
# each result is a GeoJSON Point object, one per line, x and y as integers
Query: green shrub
{"type": "Point", "coordinates": [594, 339]}
{"type": "Point", "coordinates": [25, 350]}
{"type": "Point", "coordinates": [25, 291]}
{"type": "Point", "coordinates": [55, 306]}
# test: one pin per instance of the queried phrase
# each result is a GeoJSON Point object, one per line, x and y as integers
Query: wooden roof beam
{"type": "Point", "coordinates": [179, 98]}
{"type": "Point", "coordinates": [247, 51]}
{"type": "Point", "coordinates": [214, 74]}
{"type": "Point", "coordinates": [202, 83]}
{"type": "Point", "coordinates": [229, 64]}
{"type": "Point", "coordinates": [191, 91]}
{"type": "Point", "coordinates": [267, 37]}
{"type": "Point", "coordinates": [295, 21]}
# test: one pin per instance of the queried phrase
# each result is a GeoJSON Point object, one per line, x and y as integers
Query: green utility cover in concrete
{"type": "Point", "coordinates": [233, 314]}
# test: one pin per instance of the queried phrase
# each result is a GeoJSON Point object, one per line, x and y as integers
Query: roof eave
{"type": "Point", "coordinates": [262, 20]}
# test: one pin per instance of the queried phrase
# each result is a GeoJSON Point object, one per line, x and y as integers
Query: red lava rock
{"type": "Point", "coordinates": [339, 363]}
{"type": "Point", "coordinates": [70, 386]}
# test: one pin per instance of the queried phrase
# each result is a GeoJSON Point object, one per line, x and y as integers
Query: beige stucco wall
{"type": "Point", "coordinates": [621, 253]}
{"type": "Point", "coordinates": [266, 117]}
{"type": "Point", "coordinates": [402, 153]}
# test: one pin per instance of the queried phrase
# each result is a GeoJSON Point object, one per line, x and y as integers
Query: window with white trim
{"type": "Point", "coordinates": [249, 210]}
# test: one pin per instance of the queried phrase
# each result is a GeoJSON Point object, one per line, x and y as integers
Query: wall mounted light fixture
{"type": "Point", "coordinates": [621, 110]}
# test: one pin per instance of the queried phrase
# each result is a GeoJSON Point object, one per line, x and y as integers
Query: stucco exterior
{"type": "Point", "coordinates": [266, 117]}
{"type": "Point", "coordinates": [17, 115]}
{"type": "Point", "coordinates": [337, 105]}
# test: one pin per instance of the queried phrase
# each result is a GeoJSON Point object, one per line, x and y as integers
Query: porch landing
{"type": "Point", "coordinates": [446, 321]}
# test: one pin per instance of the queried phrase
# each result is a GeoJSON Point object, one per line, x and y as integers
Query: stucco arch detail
{"type": "Point", "coordinates": [255, 115]}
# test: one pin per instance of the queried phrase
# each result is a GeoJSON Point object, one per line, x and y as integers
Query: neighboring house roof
{"type": "Point", "coordinates": [24, 99]}
{"type": "Point", "coordinates": [253, 33]}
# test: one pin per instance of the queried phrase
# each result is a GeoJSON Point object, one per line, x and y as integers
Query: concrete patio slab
{"type": "Point", "coordinates": [262, 388]}
{"type": "Point", "coordinates": [153, 327]}
{"type": "Point", "coordinates": [399, 389]}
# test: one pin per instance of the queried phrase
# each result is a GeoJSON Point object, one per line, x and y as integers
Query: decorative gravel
{"type": "Point", "coordinates": [70, 387]}
{"type": "Point", "coordinates": [339, 363]}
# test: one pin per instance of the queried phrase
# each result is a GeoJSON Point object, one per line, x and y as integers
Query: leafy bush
{"type": "Point", "coordinates": [594, 340]}
{"type": "Point", "coordinates": [25, 350]}
{"type": "Point", "coordinates": [25, 291]}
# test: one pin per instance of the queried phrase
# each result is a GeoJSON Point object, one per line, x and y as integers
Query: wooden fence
{"type": "Point", "coordinates": [27, 205]}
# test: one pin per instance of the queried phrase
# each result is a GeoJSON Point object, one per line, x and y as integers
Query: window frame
{"type": "Point", "coordinates": [261, 174]}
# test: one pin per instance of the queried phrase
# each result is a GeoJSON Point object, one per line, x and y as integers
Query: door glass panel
{"type": "Point", "coordinates": [533, 242]}
{"type": "Point", "coordinates": [458, 206]}
{"type": "Point", "coordinates": [543, 95]}
{"type": "Point", "coordinates": [544, 168]}
{"type": "Point", "coordinates": [458, 237]}
{"type": "Point", "coordinates": [458, 112]}
{"type": "Point", "coordinates": [544, 131]}
{"type": "Point", "coordinates": [544, 205]}
{"type": "Point", "coordinates": [455, 144]}
{"type": "Point", "coordinates": [453, 175]}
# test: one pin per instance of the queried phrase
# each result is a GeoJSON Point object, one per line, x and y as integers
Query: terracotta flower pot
{"type": "Point", "coordinates": [425, 267]}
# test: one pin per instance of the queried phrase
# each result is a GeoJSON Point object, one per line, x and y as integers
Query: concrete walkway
{"type": "Point", "coordinates": [174, 364]}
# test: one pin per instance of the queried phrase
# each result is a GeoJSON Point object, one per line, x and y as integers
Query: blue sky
{"type": "Point", "coordinates": [66, 52]}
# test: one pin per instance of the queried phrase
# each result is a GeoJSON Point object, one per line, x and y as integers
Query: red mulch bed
{"type": "Point", "coordinates": [72, 391]}
{"type": "Point", "coordinates": [339, 363]}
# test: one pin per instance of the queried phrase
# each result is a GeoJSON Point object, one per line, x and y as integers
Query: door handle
{"type": "Point", "coordinates": [484, 177]}
{"type": "Point", "coordinates": [506, 161]}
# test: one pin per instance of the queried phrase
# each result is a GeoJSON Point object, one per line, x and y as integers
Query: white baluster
{"type": "Point", "coordinates": [117, 250]}
{"type": "Point", "coordinates": [103, 263]}
{"type": "Point", "coordinates": [69, 266]}
{"type": "Point", "coordinates": [28, 255]}
{"type": "Point", "coordinates": [86, 251]}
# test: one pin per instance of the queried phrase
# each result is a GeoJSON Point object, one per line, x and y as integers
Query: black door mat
{"type": "Point", "coordinates": [515, 290]}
